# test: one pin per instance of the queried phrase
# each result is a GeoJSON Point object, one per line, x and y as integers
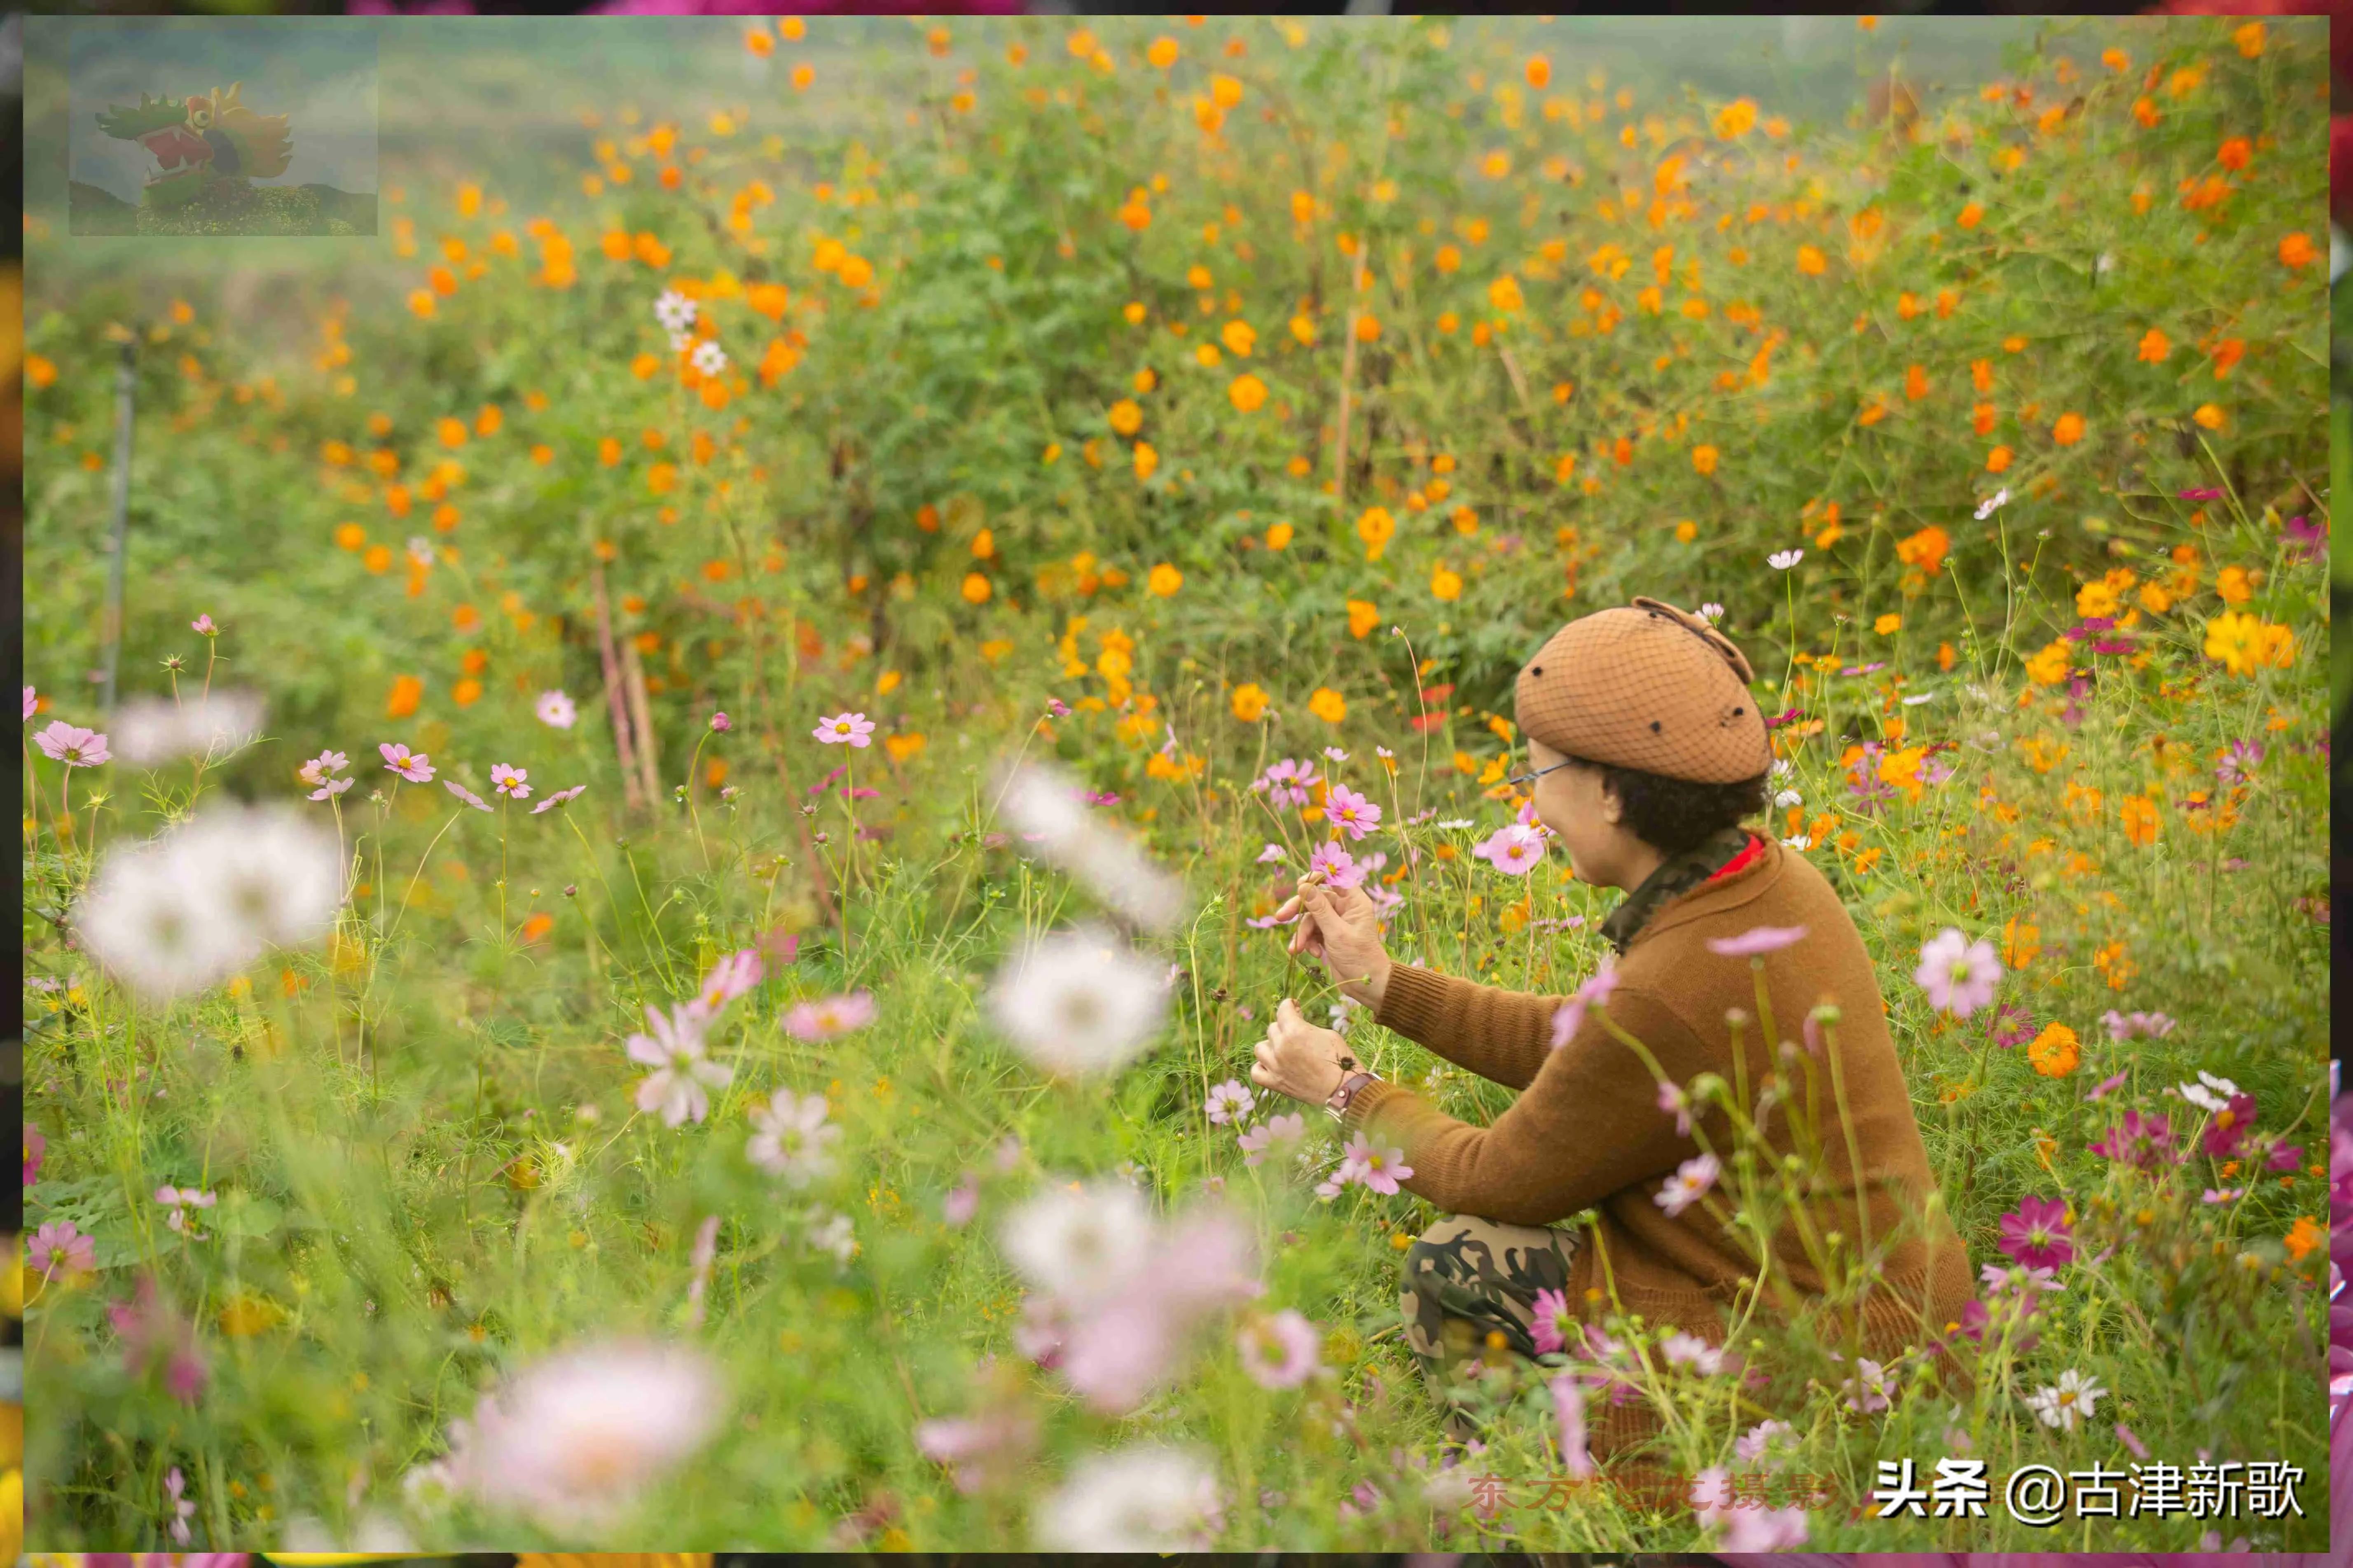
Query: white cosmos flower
{"type": "Point", "coordinates": [1993, 504]}
{"type": "Point", "coordinates": [675, 311]}
{"type": "Point", "coordinates": [1914, 701]}
{"type": "Point", "coordinates": [152, 730]}
{"type": "Point", "coordinates": [680, 342]}
{"type": "Point", "coordinates": [1789, 797]}
{"type": "Point", "coordinates": [1147, 1497]}
{"type": "Point", "coordinates": [159, 930]}
{"type": "Point", "coordinates": [574, 1439]}
{"type": "Point", "coordinates": [1045, 806]}
{"type": "Point", "coordinates": [2208, 1093]}
{"type": "Point", "coordinates": [1711, 613]}
{"type": "Point", "coordinates": [1782, 559]}
{"type": "Point", "coordinates": [792, 1137]}
{"type": "Point", "coordinates": [2070, 1402]}
{"type": "Point", "coordinates": [279, 876]}
{"type": "Point", "coordinates": [557, 710]}
{"type": "Point", "coordinates": [1080, 1003]}
{"type": "Point", "coordinates": [1079, 1245]}
{"type": "Point", "coordinates": [709, 358]}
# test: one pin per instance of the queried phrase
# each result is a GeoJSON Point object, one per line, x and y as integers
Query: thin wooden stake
{"type": "Point", "coordinates": [641, 712]}
{"type": "Point", "coordinates": [615, 701]}
{"type": "Point", "coordinates": [117, 539]}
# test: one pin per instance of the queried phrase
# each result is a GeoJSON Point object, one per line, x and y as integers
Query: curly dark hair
{"type": "Point", "coordinates": [1675, 815]}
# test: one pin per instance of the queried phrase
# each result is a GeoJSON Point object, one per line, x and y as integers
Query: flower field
{"type": "Point", "coordinates": [664, 943]}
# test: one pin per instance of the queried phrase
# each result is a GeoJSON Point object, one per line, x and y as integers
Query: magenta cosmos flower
{"type": "Point", "coordinates": [1339, 867]}
{"type": "Point", "coordinates": [2037, 1234]}
{"type": "Point", "coordinates": [72, 745]}
{"type": "Point", "coordinates": [834, 1015]}
{"type": "Point", "coordinates": [203, 625]}
{"type": "Point", "coordinates": [845, 728]}
{"type": "Point", "coordinates": [2143, 1141]}
{"type": "Point", "coordinates": [1351, 813]}
{"type": "Point", "coordinates": [1959, 976]}
{"type": "Point", "coordinates": [414, 766]}
{"type": "Point", "coordinates": [1756, 940]}
{"type": "Point", "coordinates": [1554, 1322]}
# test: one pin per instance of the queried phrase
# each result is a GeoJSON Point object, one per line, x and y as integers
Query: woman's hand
{"type": "Point", "coordinates": [1340, 927]}
{"type": "Point", "coordinates": [1298, 1060]}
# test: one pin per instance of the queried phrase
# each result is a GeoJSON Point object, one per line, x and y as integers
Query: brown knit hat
{"type": "Point", "coordinates": [1650, 687]}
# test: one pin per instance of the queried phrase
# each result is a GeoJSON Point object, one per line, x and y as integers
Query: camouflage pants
{"type": "Point", "coordinates": [1468, 1302]}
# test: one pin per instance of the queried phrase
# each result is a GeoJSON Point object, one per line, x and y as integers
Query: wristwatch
{"type": "Point", "coordinates": [1338, 1102]}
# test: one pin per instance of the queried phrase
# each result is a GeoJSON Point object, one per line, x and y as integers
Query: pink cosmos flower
{"type": "Point", "coordinates": [1553, 1320]}
{"type": "Point", "coordinates": [1595, 992]}
{"type": "Point", "coordinates": [59, 1248]}
{"type": "Point", "coordinates": [1756, 940]}
{"type": "Point", "coordinates": [1513, 850]}
{"type": "Point", "coordinates": [677, 1088]}
{"type": "Point", "coordinates": [1351, 812]}
{"type": "Point", "coordinates": [72, 745]}
{"type": "Point", "coordinates": [1339, 867]}
{"type": "Point", "coordinates": [1379, 1169]}
{"type": "Point", "coordinates": [462, 792]}
{"type": "Point", "coordinates": [559, 798]}
{"type": "Point", "coordinates": [509, 782]}
{"type": "Point", "coordinates": [732, 976]}
{"type": "Point", "coordinates": [2036, 1233]}
{"type": "Point", "coordinates": [1288, 782]}
{"type": "Point", "coordinates": [1260, 1139]}
{"type": "Point", "coordinates": [157, 1340]}
{"type": "Point", "coordinates": [2143, 1141]}
{"type": "Point", "coordinates": [1959, 976]}
{"type": "Point", "coordinates": [35, 1147]}
{"type": "Point", "coordinates": [2124, 1026]}
{"type": "Point", "coordinates": [720, 723]}
{"type": "Point", "coordinates": [414, 766]}
{"type": "Point", "coordinates": [845, 728]}
{"type": "Point", "coordinates": [1866, 1392]}
{"type": "Point", "coordinates": [985, 1450]}
{"type": "Point", "coordinates": [203, 625]}
{"type": "Point", "coordinates": [1747, 1526]}
{"type": "Point", "coordinates": [556, 711]}
{"type": "Point", "coordinates": [1229, 1101]}
{"type": "Point", "coordinates": [331, 789]}
{"type": "Point", "coordinates": [834, 1015]}
{"type": "Point", "coordinates": [1270, 854]}
{"type": "Point", "coordinates": [323, 767]}
{"type": "Point", "coordinates": [1690, 1183]}
{"type": "Point", "coordinates": [32, 703]}
{"type": "Point", "coordinates": [1568, 1413]}
{"type": "Point", "coordinates": [1673, 1102]}
{"type": "Point", "coordinates": [961, 1203]}
{"type": "Point", "coordinates": [1280, 1352]}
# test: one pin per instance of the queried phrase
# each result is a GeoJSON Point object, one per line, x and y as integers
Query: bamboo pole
{"type": "Point", "coordinates": [119, 531]}
{"type": "Point", "coordinates": [615, 701]}
{"type": "Point", "coordinates": [642, 712]}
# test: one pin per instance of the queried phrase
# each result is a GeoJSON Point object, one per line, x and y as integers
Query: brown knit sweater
{"type": "Point", "coordinates": [1587, 1131]}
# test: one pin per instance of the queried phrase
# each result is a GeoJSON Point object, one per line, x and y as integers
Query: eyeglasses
{"type": "Point", "coordinates": [1528, 778]}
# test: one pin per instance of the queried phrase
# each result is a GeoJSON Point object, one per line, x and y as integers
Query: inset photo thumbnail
{"type": "Point", "coordinates": [203, 127]}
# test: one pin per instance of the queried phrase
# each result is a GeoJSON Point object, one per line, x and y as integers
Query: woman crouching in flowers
{"type": "Point", "coordinates": [1648, 752]}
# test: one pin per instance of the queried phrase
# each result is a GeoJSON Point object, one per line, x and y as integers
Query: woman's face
{"type": "Point", "coordinates": [1582, 814]}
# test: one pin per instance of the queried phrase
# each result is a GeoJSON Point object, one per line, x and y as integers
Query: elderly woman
{"type": "Point", "coordinates": [1648, 752]}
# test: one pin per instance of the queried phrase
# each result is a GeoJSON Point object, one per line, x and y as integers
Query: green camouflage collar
{"type": "Point", "coordinates": [1677, 876]}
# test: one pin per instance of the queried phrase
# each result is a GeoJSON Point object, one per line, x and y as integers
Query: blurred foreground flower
{"type": "Point", "coordinates": [574, 1439]}
{"type": "Point", "coordinates": [1045, 806]}
{"type": "Point", "coordinates": [150, 730]}
{"type": "Point", "coordinates": [1146, 1498]}
{"type": "Point", "coordinates": [1080, 1003]}
{"type": "Point", "coordinates": [189, 908]}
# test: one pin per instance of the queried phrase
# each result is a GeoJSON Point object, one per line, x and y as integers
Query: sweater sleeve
{"type": "Point", "coordinates": [1498, 1034]}
{"type": "Point", "coordinates": [1588, 1125]}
